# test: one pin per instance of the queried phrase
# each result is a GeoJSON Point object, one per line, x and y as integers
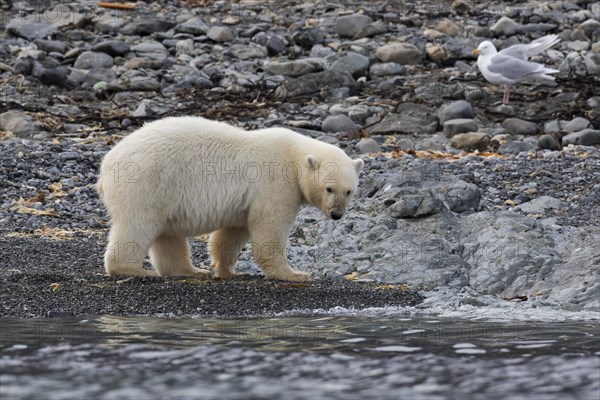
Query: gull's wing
{"type": "Point", "coordinates": [524, 51]}
{"type": "Point", "coordinates": [513, 68]}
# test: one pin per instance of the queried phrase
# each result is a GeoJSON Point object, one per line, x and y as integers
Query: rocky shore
{"type": "Point", "coordinates": [465, 200]}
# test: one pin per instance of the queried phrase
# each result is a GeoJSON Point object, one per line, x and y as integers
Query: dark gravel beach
{"type": "Point", "coordinates": [45, 277]}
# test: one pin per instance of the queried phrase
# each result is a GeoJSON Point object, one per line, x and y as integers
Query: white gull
{"type": "Point", "coordinates": [511, 65]}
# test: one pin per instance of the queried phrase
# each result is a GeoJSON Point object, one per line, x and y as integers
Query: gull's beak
{"type": "Point", "coordinates": [476, 51]}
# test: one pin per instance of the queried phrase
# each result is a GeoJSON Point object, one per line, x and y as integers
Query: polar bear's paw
{"type": "Point", "coordinates": [291, 276]}
{"type": "Point", "coordinates": [228, 275]}
{"type": "Point", "coordinates": [201, 273]}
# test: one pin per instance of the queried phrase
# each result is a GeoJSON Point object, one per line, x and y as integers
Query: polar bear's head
{"type": "Point", "coordinates": [332, 182]}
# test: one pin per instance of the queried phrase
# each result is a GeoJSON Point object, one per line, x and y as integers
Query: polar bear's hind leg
{"type": "Point", "coordinates": [170, 256]}
{"type": "Point", "coordinates": [224, 248]}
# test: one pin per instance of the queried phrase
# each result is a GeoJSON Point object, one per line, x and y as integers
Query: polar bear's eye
{"type": "Point", "coordinates": [329, 190]}
{"type": "Point", "coordinates": [348, 192]}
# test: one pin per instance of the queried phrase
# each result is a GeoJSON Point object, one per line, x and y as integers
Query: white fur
{"type": "Point", "coordinates": [185, 176]}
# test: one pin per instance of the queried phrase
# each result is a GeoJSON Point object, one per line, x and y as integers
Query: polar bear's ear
{"type": "Point", "coordinates": [358, 164]}
{"type": "Point", "coordinates": [311, 162]}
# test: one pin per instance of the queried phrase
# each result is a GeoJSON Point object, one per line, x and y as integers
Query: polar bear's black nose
{"type": "Point", "coordinates": [336, 215]}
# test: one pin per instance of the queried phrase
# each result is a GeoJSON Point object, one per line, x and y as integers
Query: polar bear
{"type": "Point", "coordinates": [184, 176]}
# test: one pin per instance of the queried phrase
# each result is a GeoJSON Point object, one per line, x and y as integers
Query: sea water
{"type": "Point", "coordinates": [345, 355]}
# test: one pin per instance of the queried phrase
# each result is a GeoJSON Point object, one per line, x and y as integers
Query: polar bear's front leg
{"type": "Point", "coordinates": [269, 240]}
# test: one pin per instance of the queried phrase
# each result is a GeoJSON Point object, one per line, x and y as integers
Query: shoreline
{"type": "Point", "coordinates": [67, 279]}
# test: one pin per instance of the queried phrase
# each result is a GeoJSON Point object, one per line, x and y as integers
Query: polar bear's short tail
{"type": "Point", "coordinates": [99, 188]}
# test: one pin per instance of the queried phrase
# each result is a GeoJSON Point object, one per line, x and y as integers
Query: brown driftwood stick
{"type": "Point", "coordinates": [117, 6]}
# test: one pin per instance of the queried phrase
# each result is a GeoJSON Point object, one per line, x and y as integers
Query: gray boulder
{"type": "Point", "coordinates": [586, 137]}
{"type": "Point", "coordinates": [195, 26]}
{"type": "Point", "coordinates": [339, 123]}
{"type": "Point", "coordinates": [314, 83]}
{"type": "Point", "coordinates": [92, 59]}
{"type": "Point", "coordinates": [540, 205]}
{"type": "Point", "coordinates": [112, 47]}
{"type": "Point", "coordinates": [350, 25]}
{"type": "Point", "coordinates": [410, 118]}
{"type": "Point", "coordinates": [220, 34]}
{"type": "Point", "coordinates": [401, 53]}
{"type": "Point", "coordinates": [461, 125]}
{"type": "Point", "coordinates": [454, 110]}
{"type": "Point", "coordinates": [516, 126]}
{"type": "Point", "coordinates": [353, 63]}
{"type": "Point", "coordinates": [291, 68]}
{"type": "Point", "coordinates": [367, 145]}
{"type": "Point", "coordinates": [17, 122]}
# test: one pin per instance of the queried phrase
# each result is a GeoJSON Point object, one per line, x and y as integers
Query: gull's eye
{"type": "Point", "coordinates": [329, 190]}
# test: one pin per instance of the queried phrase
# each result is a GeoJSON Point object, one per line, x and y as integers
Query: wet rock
{"type": "Point", "coordinates": [249, 52]}
{"type": "Point", "coordinates": [353, 63]}
{"type": "Point", "coordinates": [431, 198]}
{"type": "Point", "coordinates": [516, 126]}
{"type": "Point", "coordinates": [112, 47]}
{"type": "Point", "coordinates": [411, 118]}
{"type": "Point", "coordinates": [586, 137]}
{"type": "Point", "coordinates": [376, 28]}
{"type": "Point", "coordinates": [109, 24]}
{"type": "Point", "coordinates": [143, 110]}
{"type": "Point", "coordinates": [540, 205]}
{"type": "Point", "coordinates": [448, 27]}
{"type": "Point", "coordinates": [589, 28]}
{"type": "Point", "coordinates": [70, 155]}
{"type": "Point", "coordinates": [30, 27]}
{"type": "Point", "coordinates": [415, 206]}
{"type": "Point", "coordinates": [577, 124]}
{"type": "Point", "coordinates": [51, 76]}
{"type": "Point", "coordinates": [194, 26]}
{"type": "Point", "coordinates": [81, 76]}
{"type": "Point", "coordinates": [308, 38]}
{"type": "Point", "coordinates": [143, 63]}
{"type": "Point", "coordinates": [454, 110]}
{"type": "Point", "coordinates": [359, 113]}
{"type": "Point", "coordinates": [505, 26]}
{"type": "Point", "coordinates": [19, 123]}
{"type": "Point", "coordinates": [436, 52]}
{"type": "Point", "coordinates": [50, 46]}
{"type": "Point", "coordinates": [136, 83]}
{"type": "Point", "coordinates": [459, 125]}
{"type": "Point", "coordinates": [151, 50]}
{"type": "Point", "coordinates": [315, 83]}
{"type": "Point", "coordinates": [548, 142]}
{"type": "Point", "coordinates": [516, 147]}
{"type": "Point", "coordinates": [276, 44]}
{"type": "Point", "coordinates": [319, 51]}
{"type": "Point", "coordinates": [147, 26]}
{"type": "Point", "coordinates": [554, 126]}
{"type": "Point", "coordinates": [386, 69]}
{"type": "Point", "coordinates": [367, 145]}
{"type": "Point", "coordinates": [220, 34]}
{"type": "Point", "coordinates": [291, 68]}
{"type": "Point", "coordinates": [350, 25]}
{"type": "Point", "coordinates": [592, 62]}
{"type": "Point", "coordinates": [401, 53]}
{"type": "Point", "coordinates": [339, 123]}
{"type": "Point", "coordinates": [92, 59]}
{"type": "Point", "coordinates": [471, 141]}
{"type": "Point", "coordinates": [458, 196]}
